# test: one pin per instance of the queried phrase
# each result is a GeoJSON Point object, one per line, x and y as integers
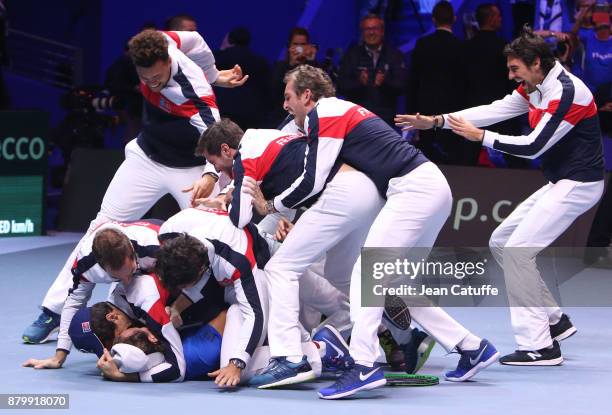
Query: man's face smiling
{"type": "Point", "coordinates": [529, 76]}
{"type": "Point", "coordinates": [223, 162]}
{"type": "Point", "coordinates": [156, 76]}
{"type": "Point", "coordinates": [296, 104]}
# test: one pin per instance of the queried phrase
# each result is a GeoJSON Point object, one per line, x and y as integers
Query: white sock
{"type": "Point", "coordinates": [321, 348]}
{"type": "Point", "coordinates": [294, 359]}
{"type": "Point", "coordinates": [469, 342]}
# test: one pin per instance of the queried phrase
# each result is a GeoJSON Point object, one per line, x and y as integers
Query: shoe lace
{"type": "Point", "coordinates": [347, 378]}
{"type": "Point", "coordinates": [272, 363]}
{"type": "Point", "coordinates": [43, 319]}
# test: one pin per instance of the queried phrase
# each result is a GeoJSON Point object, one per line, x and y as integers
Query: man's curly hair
{"type": "Point", "coordinates": [180, 261]}
{"type": "Point", "coordinates": [148, 47]}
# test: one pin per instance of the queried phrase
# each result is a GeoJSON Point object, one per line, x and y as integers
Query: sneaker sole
{"type": "Point", "coordinates": [472, 372]}
{"type": "Point", "coordinates": [550, 362]}
{"type": "Point", "coordinates": [424, 353]}
{"type": "Point", "coordinates": [566, 334]}
{"type": "Point", "coordinates": [373, 385]}
{"type": "Point", "coordinates": [27, 340]}
{"type": "Point", "coordinates": [299, 378]}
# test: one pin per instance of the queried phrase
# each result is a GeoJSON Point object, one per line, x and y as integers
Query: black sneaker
{"type": "Point", "coordinates": [390, 347]}
{"type": "Point", "coordinates": [417, 350]}
{"type": "Point", "coordinates": [542, 357]}
{"type": "Point", "coordinates": [563, 329]}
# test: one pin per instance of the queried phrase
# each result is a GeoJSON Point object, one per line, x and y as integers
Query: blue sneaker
{"type": "Point", "coordinates": [45, 325]}
{"type": "Point", "coordinates": [281, 371]}
{"type": "Point", "coordinates": [337, 356]}
{"type": "Point", "coordinates": [359, 378]}
{"type": "Point", "coordinates": [473, 361]}
{"type": "Point", "coordinates": [417, 350]}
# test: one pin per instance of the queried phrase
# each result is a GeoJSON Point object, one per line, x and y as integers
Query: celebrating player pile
{"type": "Point", "coordinates": [358, 184]}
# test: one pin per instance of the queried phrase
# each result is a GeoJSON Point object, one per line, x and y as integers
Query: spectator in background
{"type": "Point", "coordinates": [299, 51]}
{"type": "Point", "coordinates": [583, 19]}
{"type": "Point", "coordinates": [373, 73]}
{"type": "Point", "coordinates": [246, 106]}
{"type": "Point", "coordinates": [487, 80]}
{"type": "Point", "coordinates": [553, 23]}
{"type": "Point", "coordinates": [182, 22]}
{"type": "Point", "coordinates": [553, 15]}
{"type": "Point", "coordinates": [437, 85]}
{"type": "Point", "coordinates": [595, 68]}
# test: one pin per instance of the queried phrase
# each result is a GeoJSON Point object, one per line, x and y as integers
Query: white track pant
{"type": "Point", "coordinates": [137, 185]}
{"type": "Point", "coordinates": [531, 227]}
{"type": "Point", "coordinates": [417, 206]}
{"type": "Point", "coordinates": [343, 214]}
{"type": "Point", "coordinates": [318, 296]}
{"type": "Point", "coordinates": [261, 356]}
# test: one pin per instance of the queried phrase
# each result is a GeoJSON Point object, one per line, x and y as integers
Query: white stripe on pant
{"type": "Point", "coordinates": [531, 227]}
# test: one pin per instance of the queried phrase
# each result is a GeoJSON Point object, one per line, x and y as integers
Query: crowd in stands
{"type": "Point", "coordinates": [441, 74]}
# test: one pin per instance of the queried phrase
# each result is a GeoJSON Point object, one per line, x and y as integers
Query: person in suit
{"type": "Point", "coordinates": [373, 73]}
{"type": "Point", "coordinates": [485, 70]}
{"type": "Point", "coordinates": [437, 85]}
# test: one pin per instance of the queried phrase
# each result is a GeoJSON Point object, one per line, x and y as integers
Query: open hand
{"type": "Point", "coordinates": [465, 128]}
{"type": "Point", "coordinates": [418, 121]}
{"type": "Point", "coordinates": [227, 377]}
{"type": "Point", "coordinates": [50, 363]}
{"type": "Point", "coordinates": [231, 78]}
